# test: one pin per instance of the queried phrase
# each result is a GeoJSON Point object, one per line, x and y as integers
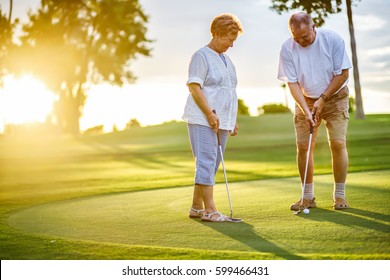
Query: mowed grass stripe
{"type": "Point", "coordinates": [158, 218]}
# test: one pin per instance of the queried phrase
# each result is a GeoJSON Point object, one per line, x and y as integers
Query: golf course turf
{"type": "Point", "coordinates": [126, 195]}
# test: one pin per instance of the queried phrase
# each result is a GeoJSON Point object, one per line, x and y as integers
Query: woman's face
{"type": "Point", "coordinates": [224, 42]}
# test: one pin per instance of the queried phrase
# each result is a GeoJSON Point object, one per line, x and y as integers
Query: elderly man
{"type": "Point", "coordinates": [315, 65]}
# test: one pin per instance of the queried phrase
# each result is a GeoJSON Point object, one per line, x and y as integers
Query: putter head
{"type": "Point", "coordinates": [297, 212]}
{"type": "Point", "coordinates": [234, 220]}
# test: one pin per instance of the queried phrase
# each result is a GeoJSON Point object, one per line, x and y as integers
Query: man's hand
{"type": "Point", "coordinates": [311, 119]}
{"type": "Point", "coordinates": [317, 110]}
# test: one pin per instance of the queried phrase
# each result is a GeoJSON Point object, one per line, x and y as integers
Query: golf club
{"type": "Point", "coordinates": [231, 219]}
{"type": "Point", "coordinates": [306, 167]}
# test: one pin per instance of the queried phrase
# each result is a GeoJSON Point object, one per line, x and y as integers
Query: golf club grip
{"type": "Point", "coordinates": [219, 140]}
{"type": "Point", "coordinates": [311, 126]}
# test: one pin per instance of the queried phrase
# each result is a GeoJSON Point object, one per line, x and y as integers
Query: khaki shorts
{"type": "Point", "coordinates": [335, 116]}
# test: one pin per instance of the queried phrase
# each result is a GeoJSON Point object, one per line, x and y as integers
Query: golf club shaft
{"type": "Point", "coordinates": [224, 174]}
{"type": "Point", "coordinates": [307, 162]}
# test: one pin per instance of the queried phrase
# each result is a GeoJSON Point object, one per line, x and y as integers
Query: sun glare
{"type": "Point", "coordinates": [149, 104]}
{"type": "Point", "coordinates": [24, 100]}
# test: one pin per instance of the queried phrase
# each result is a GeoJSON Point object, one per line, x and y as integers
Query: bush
{"type": "Point", "coordinates": [273, 108]}
{"type": "Point", "coordinates": [133, 123]}
{"type": "Point", "coordinates": [242, 108]}
{"type": "Point", "coordinates": [95, 130]}
{"type": "Point", "coordinates": [351, 105]}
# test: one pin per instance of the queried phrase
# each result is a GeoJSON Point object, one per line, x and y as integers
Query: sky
{"type": "Point", "coordinates": [180, 27]}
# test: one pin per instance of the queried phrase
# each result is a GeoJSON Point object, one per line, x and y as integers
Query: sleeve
{"type": "Point", "coordinates": [197, 70]}
{"type": "Point", "coordinates": [340, 57]}
{"type": "Point", "coordinates": [287, 71]}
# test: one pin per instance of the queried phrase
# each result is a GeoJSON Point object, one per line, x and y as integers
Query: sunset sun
{"type": "Point", "coordinates": [24, 100]}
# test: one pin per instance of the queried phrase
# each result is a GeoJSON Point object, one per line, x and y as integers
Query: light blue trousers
{"type": "Point", "coordinates": [206, 153]}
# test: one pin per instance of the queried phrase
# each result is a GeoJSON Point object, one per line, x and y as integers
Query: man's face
{"type": "Point", "coordinates": [304, 35]}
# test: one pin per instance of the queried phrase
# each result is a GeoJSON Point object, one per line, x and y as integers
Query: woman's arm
{"type": "Point", "coordinates": [200, 100]}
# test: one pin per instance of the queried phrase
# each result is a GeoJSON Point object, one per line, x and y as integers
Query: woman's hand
{"type": "Point", "coordinates": [213, 120]}
{"type": "Point", "coordinates": [235, 131]}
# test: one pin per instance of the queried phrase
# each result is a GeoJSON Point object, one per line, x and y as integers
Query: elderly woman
{"type": "Point", "coordinates": [211, 108]}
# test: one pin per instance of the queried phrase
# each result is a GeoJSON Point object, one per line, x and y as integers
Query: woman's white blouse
{"type": "Point", "coordinates": [218, 82]}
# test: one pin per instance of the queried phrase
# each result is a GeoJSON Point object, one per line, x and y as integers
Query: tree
{"type": "Point", "coordinates": [284, 86]}
{"type": "Point", "coordinates": [359, 113]}
{"type": "Point", "coordinates": [320, 9]}
{"type": "Point", "coordinates": [6, 34]}
{"type": "Point", "coordinates": [10, 10]}
{"type": "Point", "coordinates": [72, 44]}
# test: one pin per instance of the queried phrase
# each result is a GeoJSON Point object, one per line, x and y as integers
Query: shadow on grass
{"type": "Point", "coordinates": [352, 217]}
{"type": "Point", "coordinates": [369, 214]}
{"type": "Point", "coordinates": [245, 233]}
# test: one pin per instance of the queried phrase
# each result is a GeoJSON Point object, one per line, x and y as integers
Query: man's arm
{"type": "Point", "coordinates": [297, 94]}
{"type": "Point", "coordinates": [334, 85]}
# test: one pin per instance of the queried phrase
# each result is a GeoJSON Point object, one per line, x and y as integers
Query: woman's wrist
{"type": "Point", "coordinates": [210, 113]}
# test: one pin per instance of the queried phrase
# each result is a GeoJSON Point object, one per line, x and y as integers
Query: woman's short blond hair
{"type": "Point", "coordinates": [226, 24]}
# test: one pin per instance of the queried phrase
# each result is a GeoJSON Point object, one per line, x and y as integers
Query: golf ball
{"type": "Point", "coordinates": [306, 211]}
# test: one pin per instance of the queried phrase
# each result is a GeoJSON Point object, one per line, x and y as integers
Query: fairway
{"type": "Point", "coordinates": [126, 195]}
{"type": "Point", "coordinates": [158, 218]}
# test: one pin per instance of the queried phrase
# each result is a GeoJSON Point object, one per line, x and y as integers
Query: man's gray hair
{"type": "Point", "coordinates": [297, 19]}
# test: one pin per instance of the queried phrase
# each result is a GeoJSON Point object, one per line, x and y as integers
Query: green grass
{"type": "Point", "coordinates": [126, 196]}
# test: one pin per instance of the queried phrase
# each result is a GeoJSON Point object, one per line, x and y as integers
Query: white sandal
{"type": "Point", "coordinates": [195, 213]}
{"type": "Point", "coordinates": [207, 217]}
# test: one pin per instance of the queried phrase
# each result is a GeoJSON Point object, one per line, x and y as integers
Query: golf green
{"type": "Point", "coordinates": [159, 218]}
